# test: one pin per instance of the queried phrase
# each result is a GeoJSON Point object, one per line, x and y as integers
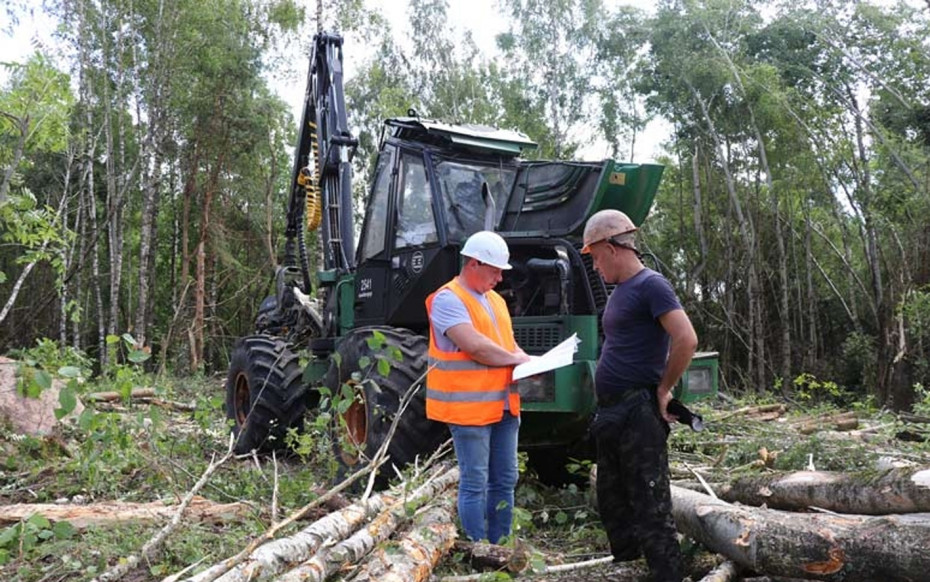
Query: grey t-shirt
{"type": "Point", "coordinates": [449, 311]}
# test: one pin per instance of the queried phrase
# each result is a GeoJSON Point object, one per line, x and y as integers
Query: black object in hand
{"type": "Point", "coordinates": [685, 416]}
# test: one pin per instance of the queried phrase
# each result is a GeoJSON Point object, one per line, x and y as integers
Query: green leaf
{"type": "Point", "coordinates": [86, 420]}
{"type": "Point", "coordinates": [43, 379]}
{"type": "Point", "coordinates": [364, 362]}
{"type": "Point", "coordinates": [63, 530]}
{"type": "Point", "coordinates": [343, 405]}
{"type": "Point", "coordinates": [384, 367]}
{"type": "Point", "coordinates": [68, 402]}
{"type": "Point", "coordinates": [138, 356]}
{"type": "Point", "coordinates": [32, 389]}
{"type": "Point", "coordinates": [9, 535]}
{"type": "Point", "coordinates": [39, 521]}
{"type": "Point", "coordinates": [112, 339]}
{"type": "Point", "coordinates": [347, 392]}
{"type": "Point", "coordinates": [129, 339]}
{"type": "Point", "coordinates": [69, 372]}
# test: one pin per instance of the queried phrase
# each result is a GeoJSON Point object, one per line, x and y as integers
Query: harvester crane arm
{"type": "Point", "coordinates": [321, 180]}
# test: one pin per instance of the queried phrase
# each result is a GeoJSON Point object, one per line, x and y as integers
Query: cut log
{"type": "Point", "coordinates": [899, 490]}
{"type": "Point", "coordinates": [84, 516]}
{"type": "Point", "coordinates": [842, 422]}
{"type": "Point", "coordinates": [752, 411]}
{"type": "Point", "coordinates": [114, 396]}
{"type": "Point", "coordinates": [725, 572]}
{"type": "Point", "coordinates": [414, 556]}
{"type": "Point", "coordinates": [485, 556]}
{"type": "Point", "coordinates": [811, 546]}
{"type": "Point", "coordinates": [826, 418]}
{"type": "Point", "coordinates": [330, 559]}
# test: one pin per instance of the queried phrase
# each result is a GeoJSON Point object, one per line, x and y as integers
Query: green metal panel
{"type": "Point", "coordinates": [630, 188]}
{"type": "Point", "coordinates": [555, 405]}
{"type": "Point", "coordinates": [699, 381]}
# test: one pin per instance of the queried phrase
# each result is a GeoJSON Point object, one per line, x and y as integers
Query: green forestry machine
{"type": "Point", "coordinates": [434, 184]}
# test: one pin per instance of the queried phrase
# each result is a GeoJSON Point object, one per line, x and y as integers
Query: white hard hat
{"type": "Point", "coordinates": [488, 247]}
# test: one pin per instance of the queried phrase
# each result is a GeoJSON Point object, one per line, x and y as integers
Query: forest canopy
{"type": "Point", "coordinates": [145, 158]}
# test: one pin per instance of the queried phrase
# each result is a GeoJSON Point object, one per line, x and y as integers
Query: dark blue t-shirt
{"type": "Point", "coordinates": [636, 345]}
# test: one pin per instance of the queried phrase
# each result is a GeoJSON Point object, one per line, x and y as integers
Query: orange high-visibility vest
{"type": "Point", "coordinates": [460, 390]}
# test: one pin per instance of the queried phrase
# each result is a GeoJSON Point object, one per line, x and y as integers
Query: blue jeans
{"type": "Point", "coordinates": [487, 457]}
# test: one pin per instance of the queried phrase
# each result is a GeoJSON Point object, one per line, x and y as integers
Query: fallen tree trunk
{"type": "Point", "coordinates": [330, 559]}
{"type": "Point", "coordinates": [826, 418]}
{"type": "Point", "coordinates": [812, 546]}
{"type": "Point", "coordinates": [114, 396]}
{"type": "Point", "coordinates": [900, 490]}
{"type": "Point", "coordinates": [106, 512]}
{"type": "Point", "coordinates": [414, 556]}
{"type": "Point", "coordinates": [764, 409]}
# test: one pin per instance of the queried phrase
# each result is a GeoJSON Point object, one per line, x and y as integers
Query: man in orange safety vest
{"type": "Point", "coordinates": [469, 385]}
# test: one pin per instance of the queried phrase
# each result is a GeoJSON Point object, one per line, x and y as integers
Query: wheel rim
{"type": "Point", "coordinates": [355, 427]}
{"type": "Point", "coordinates": [242, 399]}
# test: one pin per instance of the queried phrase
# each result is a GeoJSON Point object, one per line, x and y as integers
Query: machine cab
{"type": "Point", "coordinates": [426, 199]}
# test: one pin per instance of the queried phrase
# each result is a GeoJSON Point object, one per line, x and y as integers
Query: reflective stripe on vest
{"type": "Point", "coordinates": [460, 390]}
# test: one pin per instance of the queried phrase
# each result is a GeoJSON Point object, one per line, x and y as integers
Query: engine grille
{"type": "Point", "coordinates": [537, 338]}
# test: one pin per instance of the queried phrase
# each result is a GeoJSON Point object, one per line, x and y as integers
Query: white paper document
{"type": "Point", "coordinates": [561, 355]}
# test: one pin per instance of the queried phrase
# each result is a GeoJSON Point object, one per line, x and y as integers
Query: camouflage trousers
{"type": "Point", "coordinates": [633, 494]}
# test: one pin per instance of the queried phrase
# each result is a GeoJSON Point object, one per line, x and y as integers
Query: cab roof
{"type": "Point", "coordinates": [469, 136]}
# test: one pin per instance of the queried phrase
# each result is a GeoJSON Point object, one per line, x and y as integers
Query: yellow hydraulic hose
{"type": "Point", "coordinates": [314, 210]}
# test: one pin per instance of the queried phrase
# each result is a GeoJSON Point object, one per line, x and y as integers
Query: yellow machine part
{"type": "Point", "coordinates": [309, 180]}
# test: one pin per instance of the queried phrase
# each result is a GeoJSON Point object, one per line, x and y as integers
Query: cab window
{"type": "Point", "coordinates": [376, 217]}
{"type": "Point", "coordinates": [415, 223]}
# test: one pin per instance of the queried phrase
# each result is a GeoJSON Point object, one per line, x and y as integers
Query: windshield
{"type": "Point", "coordinates": [460, 183]}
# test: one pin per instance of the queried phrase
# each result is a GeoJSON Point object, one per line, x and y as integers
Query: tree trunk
{"type": "Point", "coordinates": [901, 490]}
{"type": "Point", "coordinates": [110, 512]}
{"type": "Point", "coordinates": [813, 546]}
{"type": "Point", "coordinates": [747, 234]}
{"type": "Point", "coordinates": [200, 274]}
{"type": "Point", "coordinates": [698, 272]}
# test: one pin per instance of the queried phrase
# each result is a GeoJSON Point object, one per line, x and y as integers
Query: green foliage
{"type": "Point", "coordinates": [21, 540]}
{"type": "Point", "coordinates": [809, 388]}
{"type": "Point", "coordinates": [35, 101]}
{"type": "Point", "coordinates": [922, 404]}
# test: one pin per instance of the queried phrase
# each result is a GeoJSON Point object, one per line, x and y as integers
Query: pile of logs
{"type": "Point", "coordinates": [361, 541]}
{"type": "Point", "coordinates": [828, 526]}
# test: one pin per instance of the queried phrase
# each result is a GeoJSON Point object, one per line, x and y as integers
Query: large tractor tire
{"type": "Point", "coordinates": [265, 393]}
{"type": "Point", "coordinates": [364, 426]}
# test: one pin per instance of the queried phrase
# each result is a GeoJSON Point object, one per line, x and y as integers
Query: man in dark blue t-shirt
{"type": "Point", "coordinates": [648, 344]}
